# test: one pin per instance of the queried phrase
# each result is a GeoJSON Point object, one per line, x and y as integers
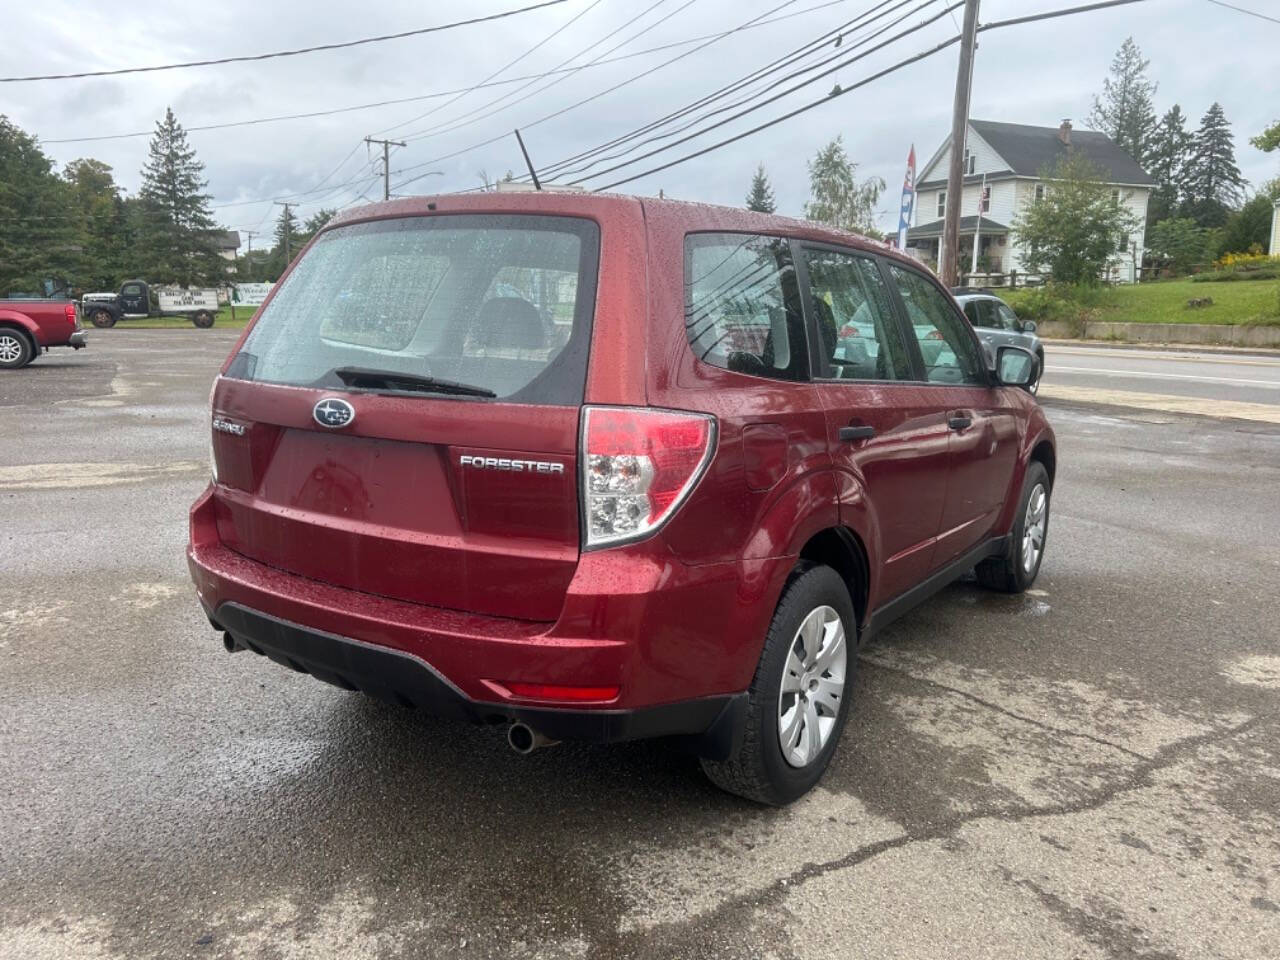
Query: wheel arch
{"type": "Point", "coordinates": [843, 550]}
{"type": "Point", "coordinates": [8, 323]}
{"type": "Point", "coordinates": [1044, 454]}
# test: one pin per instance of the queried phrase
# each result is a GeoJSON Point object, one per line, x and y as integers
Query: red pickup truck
{"type": "Point", "coordinates": [29, 326]}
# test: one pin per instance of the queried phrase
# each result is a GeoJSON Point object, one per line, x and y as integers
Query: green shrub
{"type": "Point", "coordinates": [1226, 276]}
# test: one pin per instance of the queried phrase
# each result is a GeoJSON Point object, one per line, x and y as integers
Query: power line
{"type": "Point", "coordinates": [497, 73]}
{"type": "Point", "coordinates": [445, 93]}
{"type": "Point", "coordinates": [787, 116]}
{"type": "Point", "coordinates": [284, 53]}
{"type": "Point", "coordinates": [469, 118]}
{"type": "Point", "coordinates": [778, 96]}
{"type": "Point", "coordinates": [573, 106]}
{"type": "Point", "coordinates": [1252, 13]}
{"type": "Point", "coordinates": [847, 89]}
{"type": "Point", "coordinates": [850, 28]}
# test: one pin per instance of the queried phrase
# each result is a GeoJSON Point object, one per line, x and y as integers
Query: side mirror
{"type": "Point", "coordinates": [1028, 326]}
{"type": "Point", "coordinates": [1015, 366]}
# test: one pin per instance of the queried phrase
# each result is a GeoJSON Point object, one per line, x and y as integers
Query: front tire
{"type": "Point", "coordinates": [1017, 569]}
{"type": "Point", "coordinates": [15, 349]}
{"type": "Point", "coordinates": [102, 319]}
{"type": "Point", "coordinates": [798, 701]}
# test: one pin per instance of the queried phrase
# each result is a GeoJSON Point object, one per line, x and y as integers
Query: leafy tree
{"type": "Point", "coordinates": [1167, 161]}
{"type": "Point", "coordinates": [1124, 112]}
{"type": "Point", "coordinates": [1179, 243]}
{"type": "Point", "coordinates": [1269, 139]}
{"type": "Point", "coordinates": [1075, 231]}
{"type": "Point", "coordinates": [836, 196]}
{"type": "Point", "coordinates": [1214, 182]}
{"type": "Point", "coordinates": [97, 200]}
{"type": "Point", "coordinates": [1247, 227]}
{"type": "Point", "coordinates": [760, 197]}
{"type": "Point", "coordinates": [180, 229]}
{"type": "Point", "coordinates": [39, 227]}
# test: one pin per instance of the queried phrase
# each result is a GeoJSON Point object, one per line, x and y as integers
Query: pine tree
{"type": "Point", "coordinates": [760, 197]}
{"type": "Point", "coordinates": [1124, 112]}
{"type": "Point", "coordinates": [288, 242]}
{"type": "Point", "coordinates": [836, 196]}
{"type": "Point", "coordinates": [1214, 183]}
{"type": "Point", "coordinates": [1167, 163]}
{"type": "Point", "coordinates": [180, 225]}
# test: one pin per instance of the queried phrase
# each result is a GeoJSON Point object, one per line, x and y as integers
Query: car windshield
{"type": "Point", "coordinates": [500, 303]}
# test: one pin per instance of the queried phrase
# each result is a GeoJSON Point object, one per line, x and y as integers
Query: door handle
{"type": "Point", "coordinates": [852, 434]}
{"type": "Point", "coordinates": [959, 423]}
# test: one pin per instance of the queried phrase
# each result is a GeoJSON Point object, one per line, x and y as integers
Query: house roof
{"type": "Point", "coordinates": [229, 240]}
{"type": "Point", "coordinates": [929, 230]}
{"type": "Point", "coordinates": [1029, 150]}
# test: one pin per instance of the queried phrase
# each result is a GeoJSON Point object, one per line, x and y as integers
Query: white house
{"type": "Point", "coordinates": [1009, 159]}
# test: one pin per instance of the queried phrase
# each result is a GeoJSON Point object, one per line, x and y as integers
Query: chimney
{"type": "Point", "coordinates": [1064, 132]}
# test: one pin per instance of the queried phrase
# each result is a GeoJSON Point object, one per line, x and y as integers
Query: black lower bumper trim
{"type": "Point", "coordinates": [711, 724]}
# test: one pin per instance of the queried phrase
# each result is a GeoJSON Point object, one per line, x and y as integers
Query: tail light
{"type": "Point", "coordinates": [849, 332]}
{"type": "Point", "coordinates": [638, 465]}
{"type": "Point", "coordinates": [70, 309]}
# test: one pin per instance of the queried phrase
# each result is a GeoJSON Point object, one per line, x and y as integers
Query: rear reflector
{"type": "Point", "coordinates": [638, 466]}
{"type": "Point", "coordinates": [553, 691]}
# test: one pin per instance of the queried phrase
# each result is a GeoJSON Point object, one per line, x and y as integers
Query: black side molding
{"type": "Point", "coordinates": [905, 602]}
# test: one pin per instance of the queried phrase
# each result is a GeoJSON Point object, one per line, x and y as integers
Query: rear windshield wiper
{"type": "Point", "coordinates": [368, 378]}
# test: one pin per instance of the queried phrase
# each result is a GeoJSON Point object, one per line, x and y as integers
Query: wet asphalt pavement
{"type": "Point", "coordinates": [1090, 770]}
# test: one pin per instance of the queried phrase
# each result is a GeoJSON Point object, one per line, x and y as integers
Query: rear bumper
{"type": "Point", "coordinates": [78, 340]}
{"type": "Point", "coordinates": [398, 677]}
{"type": "Point", "coordinates": [679, 643]}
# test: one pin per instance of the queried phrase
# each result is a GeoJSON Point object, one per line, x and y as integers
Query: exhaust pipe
{"type": "Point", "coordinates": [524, 739]}
{"type": "Point", "coordinates": [230, 644]}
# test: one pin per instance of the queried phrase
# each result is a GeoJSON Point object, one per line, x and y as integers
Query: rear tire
{"type": "Point", "coordinates": [1035, 387]}
{"type": "Point", "coordinates": [1017, 569]}
{"type": "Point", "coordinates": [102, 319]}
{"type": "Point", "coordinates": [803, 683]}
{"type": "Point", "coordinates": [16, 349]}
{"type": "Point", "coordinates": [203, 319]}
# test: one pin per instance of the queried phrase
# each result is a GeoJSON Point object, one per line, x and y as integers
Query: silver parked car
{"type": "Point", "coordinates": [997, 325]}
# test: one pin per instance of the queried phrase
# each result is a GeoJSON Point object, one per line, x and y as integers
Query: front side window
{"type": "Point", "coordinates": [1008, 319]}
{"type": "Point", "coordinates": [946, 345]}
{"type": "Point", "coordinates": [742, 305]}
{"type": "Point", "coordinates": [500, 303]}
{"type": "Point", "coordinates": [858, 338]}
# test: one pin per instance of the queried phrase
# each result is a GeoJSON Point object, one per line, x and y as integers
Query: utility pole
{"type": "Point", "coordinates": [287, 255]}
{"type": "Point", "coordinates": [386, 163]}
{"type": "Point", "coordinates": [959, 124]}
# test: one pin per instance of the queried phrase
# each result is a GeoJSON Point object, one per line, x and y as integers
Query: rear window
{"type": "Point", "coordinates": [502, 303]}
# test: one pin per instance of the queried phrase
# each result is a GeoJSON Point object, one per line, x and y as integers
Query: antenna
{"type": "Point", "coordinates": [527, 162]}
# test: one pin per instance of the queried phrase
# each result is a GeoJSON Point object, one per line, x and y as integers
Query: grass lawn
{"type": "Point", "coordinates": [222, 319]}
{"type": "Point", "coordinates": [1254, 302]}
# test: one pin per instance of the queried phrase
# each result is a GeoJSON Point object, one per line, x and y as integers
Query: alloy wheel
{"type": "Point", "coordinates": [10, 348]}
{"type": "Point", "coordinates": [1033, 528]}
{"type": "Point", "coordinates": [812, 686]}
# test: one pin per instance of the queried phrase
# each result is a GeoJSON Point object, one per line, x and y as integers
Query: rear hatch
{"type": "Point", "coordinates": [402, 419]}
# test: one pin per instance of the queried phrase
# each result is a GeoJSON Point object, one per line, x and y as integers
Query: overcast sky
{"type": "Point", "coordinates": [1036, 74]}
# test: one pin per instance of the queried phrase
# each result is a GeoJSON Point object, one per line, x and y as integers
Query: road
{"type": "Point", "coordinates": [1207, 383]}
{"type": "Point", "coordinates": [1090, 770]}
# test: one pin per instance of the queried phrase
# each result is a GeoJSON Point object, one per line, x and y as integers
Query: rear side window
{"type": "Point", "coordinates": [503, 303]}
{"type": "Point", "coordinates": [948, 349]}
{"type": "Point", "coordinates": [742, 305]}
{"type": "Point", "coordinates": [858, 337]}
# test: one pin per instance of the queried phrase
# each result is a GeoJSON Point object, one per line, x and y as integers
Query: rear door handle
{"type": "Point", "coordinates": [959, 423]}
{"type": "Point", "coordinates": [852, 434]}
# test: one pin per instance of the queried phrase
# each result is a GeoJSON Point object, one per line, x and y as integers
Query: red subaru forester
{"type": "Point", "coordinates": [603, 467]}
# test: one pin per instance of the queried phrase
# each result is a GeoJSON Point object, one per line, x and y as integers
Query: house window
{"type": "Point", "coordinates": [1115, 197]}
{"type": "Point", "coordinates": [1039, 192]}
{"type": "Point", "coordinates": [1123, 245]}
{"type": "Point", "coordinates": [970, 162]}
{"type": "Point", "coordinates": [942, 204]}
{"type": "Point", "coordinates": [985, 202]}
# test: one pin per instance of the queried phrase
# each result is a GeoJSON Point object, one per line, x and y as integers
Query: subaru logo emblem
{"type": "Point", "coordinates": [332, 412]}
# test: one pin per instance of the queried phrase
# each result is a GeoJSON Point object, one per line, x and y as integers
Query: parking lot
{"type": "Point", "coordinates": [1089, 770]}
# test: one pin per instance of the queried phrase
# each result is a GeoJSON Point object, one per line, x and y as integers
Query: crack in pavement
{"type": "Point", "coordinates": [1047, 727]}
{"type": "Point", "coordinates": [1141, 777]}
